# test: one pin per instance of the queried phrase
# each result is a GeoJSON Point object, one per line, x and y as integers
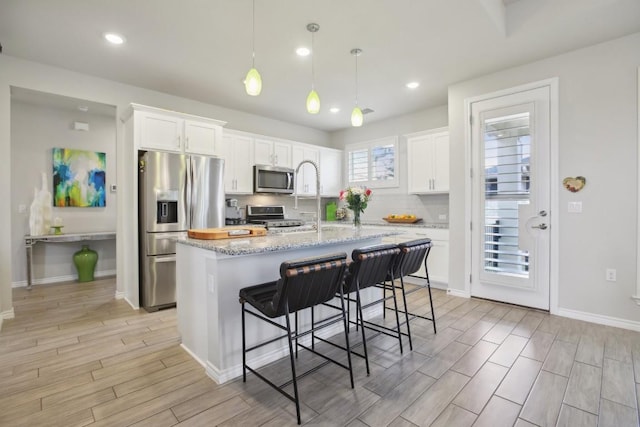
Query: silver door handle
{"type": "Point", "coordinates": [542, 226]}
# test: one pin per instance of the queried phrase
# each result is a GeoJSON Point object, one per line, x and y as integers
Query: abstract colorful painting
{"type": "Point", "coordinates": [79, 178]}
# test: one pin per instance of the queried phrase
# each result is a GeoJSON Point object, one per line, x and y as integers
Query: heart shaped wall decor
{"type": "Point", "coordinates": [574, 184]}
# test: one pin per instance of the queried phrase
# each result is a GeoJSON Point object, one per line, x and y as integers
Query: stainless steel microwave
{"type": "Point", "coordinates": [272, 179]}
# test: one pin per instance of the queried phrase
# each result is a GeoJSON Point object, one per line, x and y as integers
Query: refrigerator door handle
{"type": "Point", "coordinates": [188, 191]}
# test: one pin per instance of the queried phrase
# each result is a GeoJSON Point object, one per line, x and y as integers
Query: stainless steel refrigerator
{"type": "Point", "coordinates": [176, 192]}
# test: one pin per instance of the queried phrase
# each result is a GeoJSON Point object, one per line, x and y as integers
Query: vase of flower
{"type": "Point", "coordinates": [357, 199]}
{"type": "Point", "coordinates": [357, 224]}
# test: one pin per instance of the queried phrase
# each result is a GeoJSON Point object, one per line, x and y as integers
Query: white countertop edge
{"type": "Point", "coordinates": [283, 241]}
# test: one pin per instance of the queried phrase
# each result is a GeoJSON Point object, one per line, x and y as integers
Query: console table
{"type": "Point", "coordinates": [31, 241]}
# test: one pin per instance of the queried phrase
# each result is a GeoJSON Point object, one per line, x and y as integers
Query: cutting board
{"type": "Point", "coordinates": [227, 232]}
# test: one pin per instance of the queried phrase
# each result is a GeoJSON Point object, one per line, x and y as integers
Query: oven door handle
{"type": "Point", "coordinates": [289, 181]}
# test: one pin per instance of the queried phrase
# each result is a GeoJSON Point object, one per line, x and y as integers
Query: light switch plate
{"type": "Point", "coordinates": [574, 207]}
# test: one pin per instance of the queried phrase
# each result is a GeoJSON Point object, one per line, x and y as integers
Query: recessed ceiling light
{"type": "Point", "coordinates": [413, 85]}
{"type": "Point", "coordinates": [303, 51]}
{"type": "Point", "coordinates": [83, 108]}
{"type": "Point", "coordinates": [334, 110]}
{"type": "Point", "coordinates": [114, 38]}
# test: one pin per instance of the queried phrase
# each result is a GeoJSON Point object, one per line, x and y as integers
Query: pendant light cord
{"type": "Point", "coordinates": [313, 56]}
{"type": "Point", "coordinates": [253, 35]}
{"type": "Point", "coordinates": [356, 55]}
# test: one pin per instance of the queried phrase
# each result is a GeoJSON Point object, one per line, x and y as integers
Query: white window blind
{"type": "Point", "coordinates": [374, 163]}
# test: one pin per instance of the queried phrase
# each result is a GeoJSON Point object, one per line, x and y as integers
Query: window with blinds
{"type": "Point", "coordinates": [507, 148]}
{"type": "Point", "coordinates": [374, 163]}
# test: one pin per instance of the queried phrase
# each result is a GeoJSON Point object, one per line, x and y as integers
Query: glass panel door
{"type": "Point", "coordinates": [510, 137]}
{"type": "Point", "coordinates": [507, 149]}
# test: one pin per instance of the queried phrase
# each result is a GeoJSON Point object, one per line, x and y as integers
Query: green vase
{"type": "Point", "coordinates": [85, 260]}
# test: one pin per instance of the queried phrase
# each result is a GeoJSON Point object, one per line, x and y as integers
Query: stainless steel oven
{"type": "Point", "coordinates": [272, 179]}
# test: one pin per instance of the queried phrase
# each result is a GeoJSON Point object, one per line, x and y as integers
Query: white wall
{"type": "Point", "coordinates": [35, 130]}
{"type": "Point", "coordinates": [598, 140]}
{"type": "Point", "coordinates": [431, 208]}
{"type": "Point", "coordinates": [34, 76]}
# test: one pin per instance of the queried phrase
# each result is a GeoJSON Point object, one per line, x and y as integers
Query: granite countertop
{"type": "Point", "coordinates": [383, 223]}
{"type": "Point", "coordinates": [284, 241]}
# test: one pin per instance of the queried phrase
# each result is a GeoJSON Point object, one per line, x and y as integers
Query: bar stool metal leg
{"type": "Point", "coordinates": [244, 349]}
{"type": "Point", "coordinates": [293, 367]}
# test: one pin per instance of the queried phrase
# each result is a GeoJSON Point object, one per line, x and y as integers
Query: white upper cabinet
{"type": "Point", "coordinates": [306, 176]}
{"type": "Point", "coordinates": [202, 138]}
{"type": "Point", "coordinates": [272, 152]}
{"type": "Point", "coordinates": [157, 129]}
{"type": "Point", "coordinates": [330, 172]}
{"type": "Point", "coordinates": [237, 152]}
{"type": "Point", "coordinates": [428, 162]}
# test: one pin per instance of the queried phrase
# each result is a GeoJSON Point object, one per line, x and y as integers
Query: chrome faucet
{"type": "Point", "coordinates": [295, 189]}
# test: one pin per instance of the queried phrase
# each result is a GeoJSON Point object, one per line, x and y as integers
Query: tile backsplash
{"type": "Point", "coordinates": [433, 209]}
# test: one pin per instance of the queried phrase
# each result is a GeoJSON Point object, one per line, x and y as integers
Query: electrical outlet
{"type": "Point", "coordinates": [113, 188]}
{"type": "Point", "coordinates": [611, 274]}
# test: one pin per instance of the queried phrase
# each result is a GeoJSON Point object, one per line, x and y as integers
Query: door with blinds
{"type": "Point", "coordinates": [511, 198]}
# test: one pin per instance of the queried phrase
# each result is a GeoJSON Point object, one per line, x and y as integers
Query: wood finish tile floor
{"type": "Point", "coordinates": [74, 356]}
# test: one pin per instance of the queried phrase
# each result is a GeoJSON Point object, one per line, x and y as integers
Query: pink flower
{"type": "Point", "coordinates": [341, 194]}
{"type": "Point", "coordinates": [368, 192]}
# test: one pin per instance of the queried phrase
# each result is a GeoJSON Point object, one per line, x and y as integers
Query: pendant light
{"type": "Point", "coordinates": [356, 115]}
{"type": "Point", "coordinates": [253, 81]}
{"type": "Point", "coordinates": [313, 100]}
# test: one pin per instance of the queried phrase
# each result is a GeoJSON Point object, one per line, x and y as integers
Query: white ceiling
{"type": "Point", "coordinates": [201, 49]}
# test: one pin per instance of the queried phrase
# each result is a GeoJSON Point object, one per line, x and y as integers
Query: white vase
{"type": "Point", "coordinates": [46, 204]}
{"type": "Point", "coordinates": [35, 215]}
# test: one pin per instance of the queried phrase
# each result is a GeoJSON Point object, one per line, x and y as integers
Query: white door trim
{"type": "Point", "coordinates": [553, 84]}
{"type": "Point", "coordinates": [636, 297]}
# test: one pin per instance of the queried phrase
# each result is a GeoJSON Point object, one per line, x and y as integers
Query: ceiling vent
{"type": "Point", "coordinates": [367, 110]}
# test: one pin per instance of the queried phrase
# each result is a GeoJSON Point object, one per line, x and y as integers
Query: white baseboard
{"type": "Point", "coordinates": [130, 303]}
{"type": "Point", "coordinates": [58, 279]}
{"type": "Point", "coordinates": [458, 293]}
{"type": "Point", "coordinates": [192, 354]}
{"type": "Point", "coordinates": [599, 319]}
{"type": "Point", "coordinates": [221, 376]}
{"type": "Point", "coordinates": [120, 295]}
{"type": "Point", "coordinates": [8, 314]}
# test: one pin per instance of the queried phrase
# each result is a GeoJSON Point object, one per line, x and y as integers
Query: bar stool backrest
{"type": "Point", "coordinates": [307, 282]}
{"type": "Point", "coordinates": [412, 255]}
{"type": "Point", "coordinates": [370, 266]}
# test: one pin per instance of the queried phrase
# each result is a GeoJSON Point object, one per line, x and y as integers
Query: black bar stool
{"type": "Point", "coordinates": [412, 254]}
{"type": "Point", "coordinates": [370, 267]}
{"type": "Point", "coordinates": [303, 283]}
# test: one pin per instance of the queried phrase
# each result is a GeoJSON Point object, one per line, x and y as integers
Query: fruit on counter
{"type": "Point", "coordinates": [401, 216]}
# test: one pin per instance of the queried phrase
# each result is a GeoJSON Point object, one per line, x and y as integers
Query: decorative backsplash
{"type": "Point", "coordinates": [433, 209]}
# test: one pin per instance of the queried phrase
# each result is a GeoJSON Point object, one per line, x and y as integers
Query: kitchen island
{"type": "Point", "coordinates": [210, 273]}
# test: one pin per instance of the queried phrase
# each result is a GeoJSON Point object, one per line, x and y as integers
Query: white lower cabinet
{"type": "Point", "coordinates": [438, 261]}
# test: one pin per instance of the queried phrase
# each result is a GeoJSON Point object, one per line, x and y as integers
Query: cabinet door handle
{"type": "Point", "coordinates": [178, 141]}
{"type": "Point", "coordinates": [276, 156]}
{"type": "Point", "coordinates": [186, 142]}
